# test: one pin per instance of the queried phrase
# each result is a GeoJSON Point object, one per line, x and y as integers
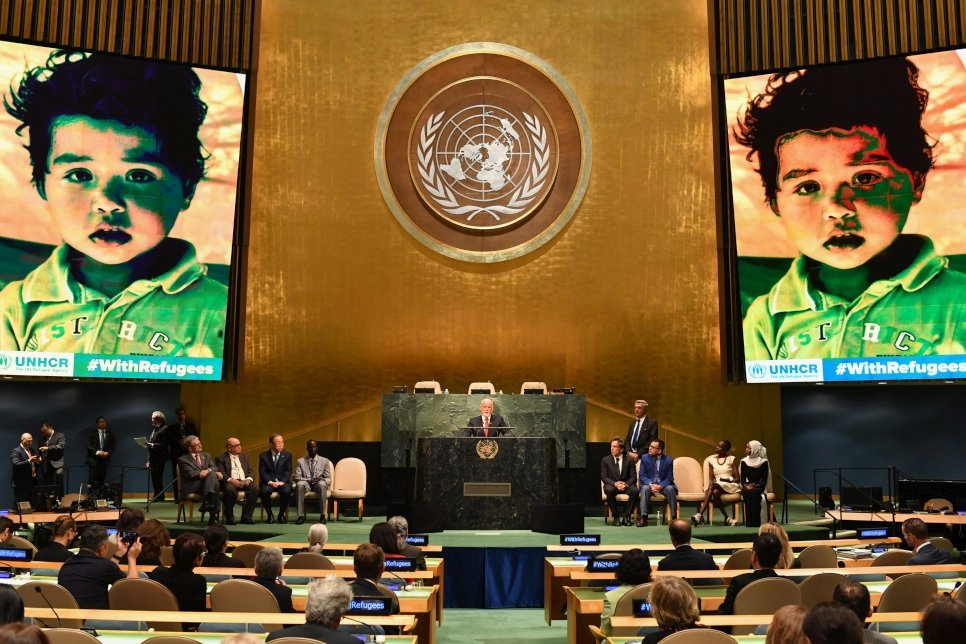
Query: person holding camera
{"type": "Point", "coordinates": [88, 574]}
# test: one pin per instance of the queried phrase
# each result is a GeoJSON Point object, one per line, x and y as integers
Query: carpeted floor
{"type": "Point", "coordinates": [498, 626]}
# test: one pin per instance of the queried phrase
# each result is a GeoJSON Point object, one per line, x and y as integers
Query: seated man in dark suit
{"type": "Point", "coordinates": [765, 552]}
{"type": "Point", "coordinates": [619, 475]}
{"type": "Point", "coordinates": [327, 602]}
{"type": "Point", "coordinates": [487, 423]}
{"type": "Point", "coordinates": [268, 569]}
{"type": "Point", "coordinates": [916, 535]}
{"type": "Point", "coordinates": [684, 557]}
{"type": "Point", "coordinates": [369, 562]}
{"type": "Point", "coordinates": [275, 475]}
{"type": "Point", "coordinates": [200, 476]}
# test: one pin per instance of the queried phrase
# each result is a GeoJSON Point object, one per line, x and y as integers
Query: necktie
{"type": "Point", "coordinates": [637, 432]}
{"type": "Point", "coordinates": [312, 469]}
{"type": "Point", "coordinates": [617, 461]}
{"type": "Point", "coordinates": [101, 433]}
{"type": "Point", "coordinates": [198, 459]}
{"type": "Point", "coordinates": [486, 426]}
{"type": "Point", "coordinates": [657, 467]}
{"type": "Point", "coordinates": [33, 469]}
{"type": "Point", "coordinates": [276, 460]}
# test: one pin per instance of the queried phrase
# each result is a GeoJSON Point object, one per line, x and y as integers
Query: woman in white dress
{"type": "Point", "coordinates": [722, 479]}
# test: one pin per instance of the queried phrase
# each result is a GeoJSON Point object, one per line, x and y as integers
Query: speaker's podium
{"type": "Point", "coordinates": [486, 483]}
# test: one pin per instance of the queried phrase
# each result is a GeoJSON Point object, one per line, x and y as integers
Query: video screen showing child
{"type": "Point", "coordinates": [120, 179]}
{"type": "Point", "coordinates": [849, 206]}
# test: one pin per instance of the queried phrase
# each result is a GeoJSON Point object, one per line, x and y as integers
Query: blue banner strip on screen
{"type": "Point", "coordinates": [857, 369]}
{"type": "Point", "coordinates": [97, 365]}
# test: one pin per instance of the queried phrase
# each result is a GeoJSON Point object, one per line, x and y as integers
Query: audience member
{"type": "Point", "coordinates": [722, 473]}
{"type": "Point", "coordinates": [20, 633]}
{"type": "Point", "coordinates": [188, 587]}
{"type": "Point", "coordinates": [268, 570]}
{"type": "Point", "coordinates": [618, 473]}
{"type": "Point", "coordinates": [216, 543]}
{"type": "Point", "coordinates": [328, 600]}
{"type": "Point", "coordinates": [635, 569]}
{"type": "Point", "coordinates": [11, 605]}
{"type": "Point", "coordinates": [943, 621]}
{"type": "Point", "coordinates": [383, 535]}
{"type": "Point", "coordinates": [369, 562]}
{"type": "Point", "coordinates": [753, 477]}
{"type": "Point", "coordinates": [154, 536]}
{"type": "Point", "coordinates": [656, 476]}
{"type": "Point", "coordinates": [675, 607]}
{"type": "Point", "coordinates": [786, 626]}
{"type": "Point", "coordinates": [317, 537]}
{"type": "Point", "coordinates": [684, 557]}
{"type": "Point", "coordinates": [916, 534]}
{"type": "Point", "coordinates": [855, 597]}
{"type": "Point", "coordinates": [88, 574]}
{"type": "Point", "coordinates": [65, 530]}
{"type": "Point", "coordinates": [765, 551]}
{"type": "Point", "coordinates": [831, 623]}
{"type": "Point", "coordinates": [787, 559]}
{"type": "Point", "coordinates": [401, 526]}
{"type": "Point", "coordinates": [6, 529]}
{"type": "Point", "coordinates": [129, 520]}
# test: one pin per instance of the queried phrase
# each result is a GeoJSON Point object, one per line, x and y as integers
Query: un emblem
{"type": "Point", "coordinates": [483, 152]}
{"type": "Point", "coordinates": [487, 448]}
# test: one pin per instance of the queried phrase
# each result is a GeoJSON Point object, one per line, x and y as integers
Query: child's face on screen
{"type": "Point", "coordinates": [842, 197]}
{"type": "Point", "coordinates": [109, 192]}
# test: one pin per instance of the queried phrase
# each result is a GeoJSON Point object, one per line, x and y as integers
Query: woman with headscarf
{"type": "Point", "coordinates": [753, 473]}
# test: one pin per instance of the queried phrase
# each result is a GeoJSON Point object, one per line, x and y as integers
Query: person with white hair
{"type": "Point", "coordinates": [317, 537]}
{"type": "Point", "coordinates": [268, 572]}
{"type": "Point", "coordinates": [158, 452]}
{"type": "Point", "coordinates": [406, 549]}
{"type": "Point", "coordinates": [328, 600]}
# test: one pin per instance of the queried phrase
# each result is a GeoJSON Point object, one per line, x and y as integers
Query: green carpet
{"type": "Point", "coordinates": [498, 625]}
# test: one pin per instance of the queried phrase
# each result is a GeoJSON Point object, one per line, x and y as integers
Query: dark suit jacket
{"type": "Point", "coordinates": [267, 470]}
{"type": "Point", "coordinates": [929, 554]}
{"type": "Point", "coordinates": [609, 474]}
{"type": "Point", "coordinates": [414, 552]}
{"type": "Point", "coordinates": [737, 584]}
{"type": "Point", "coordinates": [283, 594]}
{"type": "Point", "coordinates": [158, 455]}
{"type": "Point", "coordinates": [21, 475]}
{"type": "Point", "coordinates": [222, 561]}
{"type": "Point", "coordinates": [176, 434]}
{"type": "Point", "coordinates": [189, 588]}
{"type": "Point", "coordinates": [474, 427]}
{"type": "Point", "coordinates": [223, 463]}
{"type": "Point", "coordinates": [54, 456]}
{"type": "Point", "coordinates": [313, 631]}
{"type": "Point", "coordinates": [648, 433]}
{"type": "Point", "coordinates": [685, 557]}
{"type": "Point", "coordinates": [191, 481]}
{"type": "Point", "coordinates": [93, 445]}
{"type": "Point", "coordinates": [365, 588]}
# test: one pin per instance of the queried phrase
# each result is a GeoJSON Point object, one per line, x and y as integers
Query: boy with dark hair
{"type": "Point", "coordinates": [843, 157]}
{"type": "Point", "coordinates": [114, 147]}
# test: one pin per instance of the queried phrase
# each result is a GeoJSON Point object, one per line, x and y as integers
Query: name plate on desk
{"type": "Point", "coordinates": [487, 489]}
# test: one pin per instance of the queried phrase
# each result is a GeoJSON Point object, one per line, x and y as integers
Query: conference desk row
{"type": "Point", "coordinates": [136, 637]}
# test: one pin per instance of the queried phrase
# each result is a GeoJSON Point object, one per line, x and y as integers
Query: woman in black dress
{"type": "Point", "coordinates": [753, 472]}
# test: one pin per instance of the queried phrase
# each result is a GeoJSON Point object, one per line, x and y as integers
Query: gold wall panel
{"type": "Point", "coordinates": [342, 303]}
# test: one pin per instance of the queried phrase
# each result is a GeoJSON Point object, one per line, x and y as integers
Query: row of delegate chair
{"type": "Point", "coordinates": [433, 387]}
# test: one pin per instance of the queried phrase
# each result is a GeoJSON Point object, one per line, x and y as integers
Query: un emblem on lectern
{"type": "Point", "coordinates": [487, 448]}
{"type": "Point", "coordinates": [483, 152]}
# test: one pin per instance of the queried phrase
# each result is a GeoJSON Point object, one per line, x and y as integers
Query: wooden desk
{"type": "Point", "coordinates": [434, 566]}
{"type": "Point", "coordinates": [403, 621]}
{"type": "Point", "coordinates": [733, 620]}
{"type": "Point", "coordinates": [80, 516]}
{"type": "Point", "coordinates": [737, 545]}
{"type": "Point", "coordinates": [136, 637]}
{"type": "Point", "coordinates": [888, 517]}
{"type": "Point", "coordinates": [329, 547]}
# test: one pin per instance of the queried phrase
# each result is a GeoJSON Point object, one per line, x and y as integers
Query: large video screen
{"type": "Point", "coordinates": [848, 194]}
{"type": "Point", "coordinates": [119, 179]}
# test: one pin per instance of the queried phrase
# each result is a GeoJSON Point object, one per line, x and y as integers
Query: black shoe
{"type": "Point", "coordinates": [300, 520]}
{"type": "Point", "coordinates": [248, 522]}
{"type": "Point", "coordinates": [628, 522]}
{"type": "Point", "coordinates": [270, 519]}
{"type": "Point", "coordinates": [282, 518]}
{"type": "Point", "coordinates": [229, 520]}
{"type": "Point", "coordinates": [322, 518]}
{"type": "Point", "coordinates": [213, 519]}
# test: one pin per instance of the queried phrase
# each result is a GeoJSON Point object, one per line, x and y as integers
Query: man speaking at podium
{"type": "Point", "coordinates": [487, 424]}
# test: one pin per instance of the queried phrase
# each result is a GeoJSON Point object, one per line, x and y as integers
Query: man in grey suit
{"type": "Point", "coordinates": [312, 474]}
{"type": "Point", "coordinates": [200, 476]}
{"type": "Point", "coordinates": [52, 445]}
{"type": "Point", "coordinates": [916, 534]}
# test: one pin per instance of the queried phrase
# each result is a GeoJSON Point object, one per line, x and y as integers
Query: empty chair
{"type": "Point", "coordinates": [818, 556]}
{"type": "Point", "coordinates": [819, 588]}
{"type": "Point", "coordinates": [56, 596]}
{"type": "Point", "coordinates": [689, 481]}
{"type": "Point", "coordinates": [909, 593]}
{"type": "Point", "coordinates": [533, 387]}
{"type": "Point", "coordinates": [246, 553]}
{"type": "Point", "coordinates": [481, 388]}
{"type": "Point", "coordinates": [625, 607]}
{"type": "Point", "coordinates": [764, 597]}
{"type": "Point", "coordinates": [739, 560]}
{"type": "Point", "coordinates": [244, 596]}
{"type": "Point", "coordinates": [938, 505]}
{"type": "Point", "coordinates": [69, 636]}
{"type": "Point", "coordinates": [23, 544]}
{"type": "Point", "coordinates": [145, 595]}
{"type": "Point", "coordinates": [306, 561]}
{"type": "Point", "coordinates": [170, 639]}
{"type": "Point", "coordinates": [305, 640]}
{"type": "Point", "coordinates": [699, 636]}
{"type": "Point", "coordinates": [349, 484]}
{"type": "Point", "coordinates": [423, 386]}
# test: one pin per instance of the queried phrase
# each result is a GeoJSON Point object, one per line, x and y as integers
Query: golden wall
{"type": "Point", "coordinates": [342, 303]}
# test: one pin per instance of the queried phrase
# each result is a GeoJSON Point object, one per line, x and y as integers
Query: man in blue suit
{"type": "Point", "coordinates": [915, 532]}
{"type": "Point", "coordinates": [275, 475]}
{"type": "Point", "coordinates": [656, 476]}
